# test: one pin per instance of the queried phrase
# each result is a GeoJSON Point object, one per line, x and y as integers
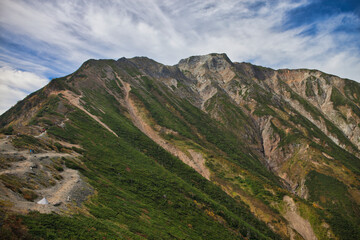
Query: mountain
{"type": "Point", "coordinates": [205, 149]}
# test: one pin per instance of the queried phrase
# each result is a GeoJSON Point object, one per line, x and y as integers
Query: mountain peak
{"type": "Point", "coordinates": [205, 58]}
{"type": "Point", "coordinates": [200, 65]}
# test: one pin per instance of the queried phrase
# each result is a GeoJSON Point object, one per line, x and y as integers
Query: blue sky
{"type": "Point", "coordinates": [40, 40]}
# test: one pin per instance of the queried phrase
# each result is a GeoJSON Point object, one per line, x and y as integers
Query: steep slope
{"type": "Point", "coordinates": [279, 148]}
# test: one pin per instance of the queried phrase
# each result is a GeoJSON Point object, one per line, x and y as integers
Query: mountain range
{"type": "Point", "coordinates": [205, 149]}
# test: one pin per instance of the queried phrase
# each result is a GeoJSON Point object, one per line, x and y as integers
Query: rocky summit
{"type": "Point", "coordinates": [205, 149]}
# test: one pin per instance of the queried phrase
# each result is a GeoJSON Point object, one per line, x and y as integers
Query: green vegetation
{"type": "Point", "coordinates": [349, 160]}
{"type": "Point", "coordinates": [339, 134]}
{"type": "Point", "coordinates": [316, 218]}
{"type": "Point", "coordinates": [53, 226]}
{"type": "Point", "coordinates": [316, 114]}
{"type": "Point", "coordinates": [58, 146]}
{"type": "Point", "coordinates": [320, 90]}
{"type": "Point", "coordinates": [70, 163]}
{"type": "Point", "coordinates": [287, 138]}
{"type": "Point", "coordinates": [333, 195]}
{"type": "Point", "coordinates": [24, 105]}
{"type": "Point", "coordinates": [50, 107]}
{"type": "Point", "coordinates": [139, 178]}
{"type": "Point", "coordinates": [144, 192]}
{"type": "Point", "coordinates": [163, 114]}
{"type": "Point", "coordinates": [307, 106]}
{"type": "Point", "coordinates": [264, 110]}
{"type": "Point", "coordinates": [18, 185]}
{"type": "Point", "coordinates": [7, 131]}
{"type": "Point", "coordinates": [257, 189]}
{"type": "Point", "coordinates": [232, 116]}
{"type": "Point", "coordinates": [309, 86]}
{"type": "Point", "coordinates": [340, 100]}
{"type": "Point", "coordinates": [58, 132]}
{"type": "Point", "coordinates": [59, 83]}
{"type": "Point", "coordinates": [225, 140]}
{"type": "Point", "coordinates": [352, 91]}
{"type": "Point", "coordinates": [114, 86]}
{"type": "Point", "coordinates": [26, 141]}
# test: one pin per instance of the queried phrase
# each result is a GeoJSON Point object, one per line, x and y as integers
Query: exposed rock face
{"type": "Point", "coordinates": [208, 71]}
{"type": "Point", "coordinates": [309, 93]}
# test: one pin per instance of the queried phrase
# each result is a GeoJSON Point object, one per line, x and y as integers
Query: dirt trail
{"type": "Point", "coordinates": [55, 195]}
{"type": "Point", "coordinates": [75, 100]}
{"type": "Point", "coordinates": [20, 167]}
{"type": "Point", "coordinates": [59, 193]}
{"type": "Point", "coordinates": [196, 161]}
{"type": "Point", "coordinates": [301, 225]}
{"type": "Point", "coordinates": [23, 165]}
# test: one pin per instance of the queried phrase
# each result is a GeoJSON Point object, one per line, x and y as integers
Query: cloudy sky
{"type": "Point", "coordinates": [40, 40]}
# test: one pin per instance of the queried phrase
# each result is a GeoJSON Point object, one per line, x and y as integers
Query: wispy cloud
{"type": "Point", "coordinates": [53, 38]}
{"type": "Point", "coordinates": [16, 84]}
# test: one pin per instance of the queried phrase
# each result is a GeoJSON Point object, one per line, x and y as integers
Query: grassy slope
{"type": "Point", "coordinates": [341, 212]}
{"type": "Point", "coordinates": [132, 174]}
{"type": "Point", "coordinates": [142, 189]}
{"type": "Point", "coordinates": [166, 110]}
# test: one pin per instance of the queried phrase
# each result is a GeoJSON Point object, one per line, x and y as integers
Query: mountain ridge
{"type": "Point", "coordinates": [266, 137]}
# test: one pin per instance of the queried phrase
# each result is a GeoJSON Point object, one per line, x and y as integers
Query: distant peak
{"type": "Point", "coordinates": [204, 58]}
{"type": "Point", "coordinates": [212, 61]}
{"type": "Point", "coordinates": [221, 55]}
{"type": "Point", "coordinates": [122, 59]}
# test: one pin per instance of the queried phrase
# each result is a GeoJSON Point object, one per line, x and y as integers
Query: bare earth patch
{"type": "Point", "coordinates": [31, 166]}
{"type": "Point", "coordinates": [298, 223]}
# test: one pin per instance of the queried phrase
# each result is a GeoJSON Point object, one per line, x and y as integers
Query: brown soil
{"type": "Point", "coordinates": [59, 193]}
{"type": "Point", "coordinates": [296, 222]}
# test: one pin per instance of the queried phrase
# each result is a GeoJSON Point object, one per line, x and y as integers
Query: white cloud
{"type": "Point", "coordinates": [57, 36]}
{"type": "Point", "coordinates": [15, 85]}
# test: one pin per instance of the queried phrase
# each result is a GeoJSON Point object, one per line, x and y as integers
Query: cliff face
{"type": "Point", "coordinates": [283, 108]}
{"type": "Point", "coordinates": [282, 144]}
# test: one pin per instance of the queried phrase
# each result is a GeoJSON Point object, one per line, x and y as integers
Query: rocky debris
{"type": "Point", "coordinates": [298, 223]}
{"type": "Point", "coordinates": [41, 174]}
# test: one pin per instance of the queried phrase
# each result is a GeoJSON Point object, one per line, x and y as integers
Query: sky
{"type": "Point", "coordinates": [41, 40]}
